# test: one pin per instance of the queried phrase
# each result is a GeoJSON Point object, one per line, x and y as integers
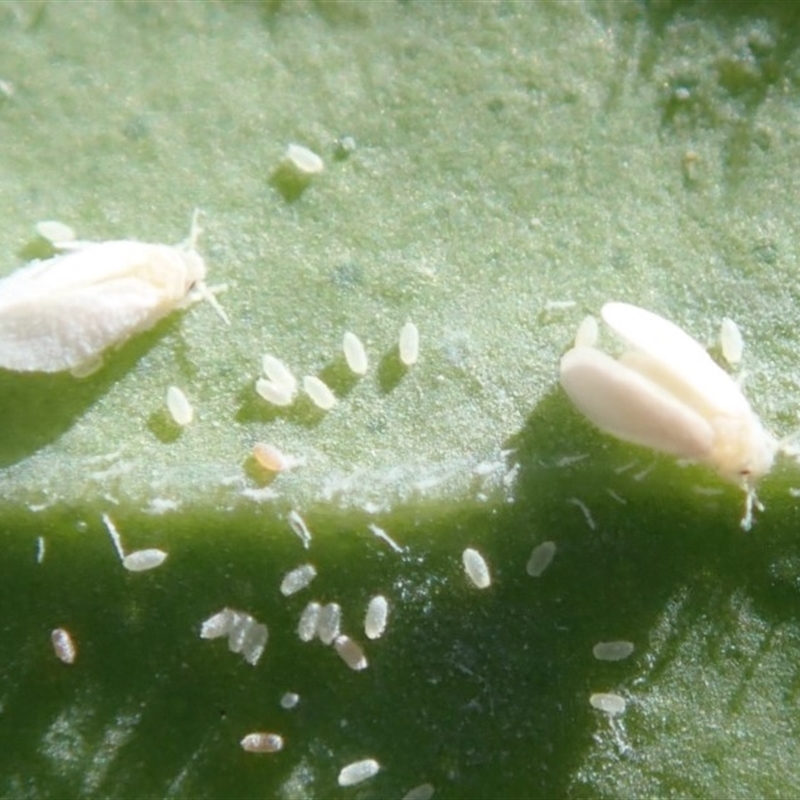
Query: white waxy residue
{"type": "Point", "coordinates": [731, 341]}
{"type": "Point", "coordinates": [351, 653]}
{"type": "Point", "coordinates": [611, 704]}
{"type": "Point", "coordinates": [329, 622]}
{"type": "Point", "coordinates": [355, 354]}
{"type": "Point", "coordinates": [63, 645]}
{"type": "Point", "coordinates": [298, 525]}
{"type": "Point", "coordinates": [587, 515]}
{"type": "Point", "coordinates": [262, 743]}
{"type": "Point", "coordinates": [377, 615]}
{"type": "Point", "coordinates": [289, 700]}
{"type": "Point", "coordinates": [612, 651]}
{"type": "Point", "coordinates": [319, 392]}
{"type": "Point", "coordinates": [309, 619]}
{"type": "Point", "coordinates": [114, 534]}
{"type": "Point", "coordinates": [298, 579]}
{"type": "Point", "coordinates": [540, 558]}
{"type": "Point", "coordinates": [476, 568]}
{"type": "Point", "coordinates": [381, 534]}
{"type": "Point", "coordinates": [41, 547]}
{"type": "Point", "coordinates": [142, 560]}
{"type": "Point", "coordinates": [409, 344]}
{"type": "Point", "coordinates": [358, 771]}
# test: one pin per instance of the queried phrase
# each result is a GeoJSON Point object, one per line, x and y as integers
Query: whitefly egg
{"type": "Point", "coordinates": [355, 354]}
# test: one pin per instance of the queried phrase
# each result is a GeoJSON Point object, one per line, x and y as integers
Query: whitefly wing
{"type": "Point", "coordinates": [57, 314]}
{"type": "Point", "coordinates": [95, 264]}
{"type": "Point", "coordinates": [669, 356]}
{"type": "Point", "coordinates": [630, 406]}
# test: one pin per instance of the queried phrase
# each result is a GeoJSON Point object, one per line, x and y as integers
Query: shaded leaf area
{"type": "Point", "coordinates": [482, 693]}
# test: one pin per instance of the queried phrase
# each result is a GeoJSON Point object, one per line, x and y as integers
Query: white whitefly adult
{"type": "Point", "coordinates": [65, 312]}
{"type": "Point", "coordinates": [665, 392]}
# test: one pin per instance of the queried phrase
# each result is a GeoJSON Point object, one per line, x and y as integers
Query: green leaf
{"type": "Point", "coordinates": [515, 165]}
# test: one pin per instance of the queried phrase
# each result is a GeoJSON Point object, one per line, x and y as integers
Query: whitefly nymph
{"type": "Point", "coordinates": [665, 392]}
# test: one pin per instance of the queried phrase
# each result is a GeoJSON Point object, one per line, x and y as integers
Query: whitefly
{"type": "Point", "coordinates": [65, 312]}
{"type": "Point", "coordinates": [666, 393]}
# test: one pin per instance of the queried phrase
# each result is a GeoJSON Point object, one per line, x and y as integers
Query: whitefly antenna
{"type": "Point", "coordinates": [201, 289]}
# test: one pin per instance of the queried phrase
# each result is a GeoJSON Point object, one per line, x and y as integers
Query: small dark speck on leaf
{"type": "Point", "coordinates": [347, 275]}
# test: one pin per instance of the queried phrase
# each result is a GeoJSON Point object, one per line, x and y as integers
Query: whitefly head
{"type": "Point", "coordinates": [194, 270]}
{"type": "Point", "coordinates": [743, 450]}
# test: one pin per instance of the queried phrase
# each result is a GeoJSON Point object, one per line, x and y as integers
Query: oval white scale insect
{"type": "Point", "coordinates": [62, 313]}
{"type": "Point", "coordinates": [665, 392]}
